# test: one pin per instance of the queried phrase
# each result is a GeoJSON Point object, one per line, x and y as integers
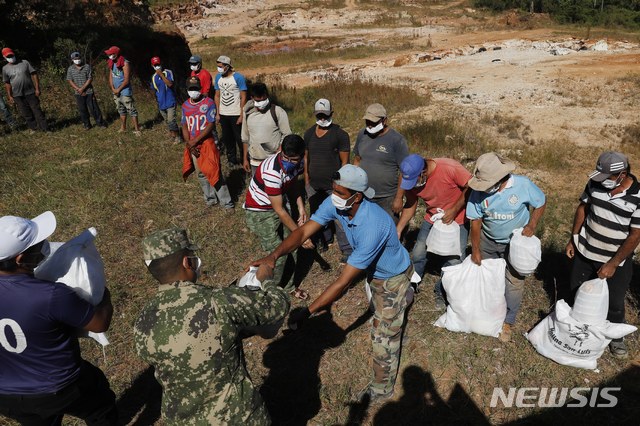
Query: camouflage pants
{"type": "Point", "coordinates": [389, 302]}
{"type": "Point", "coordinates": [268, 227]}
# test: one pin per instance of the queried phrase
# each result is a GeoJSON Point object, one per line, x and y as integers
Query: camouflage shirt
{"type": "Point", "coordinates": [189, 332]}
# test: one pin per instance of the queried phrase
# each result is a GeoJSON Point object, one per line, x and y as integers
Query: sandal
{"type": "Point", "coordinates": [299, 293]}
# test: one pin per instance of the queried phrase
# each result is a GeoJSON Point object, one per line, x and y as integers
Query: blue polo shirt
{"type": "Point", "coordinates": [506, 210]}
{"type": "Point", "coordinates": [372, 235]}
{"type": "Point", "coordinates": [164, 95]}
{"type": "Point", "coordinates": [39, 350]}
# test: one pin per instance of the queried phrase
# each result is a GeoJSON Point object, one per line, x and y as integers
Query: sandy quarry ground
{"type": "Point", "coordinates": [575, 95]}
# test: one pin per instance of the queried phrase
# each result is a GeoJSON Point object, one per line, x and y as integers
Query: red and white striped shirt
{"type": "Point", "coordinates": [270, 180]}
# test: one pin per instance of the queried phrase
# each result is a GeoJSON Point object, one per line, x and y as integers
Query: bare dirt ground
{"type": "Point", "coordinates": [568, 96]}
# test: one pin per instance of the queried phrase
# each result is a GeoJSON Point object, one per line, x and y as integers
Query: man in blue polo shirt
{"type": "Point", "coordinates": [499, 204]}
{"type": "Point", "coordinates": [376, 249]}
{"type": "Point", "coordinates": [162, 84]}
{"type": "Point", "coordinates": [43, 374]}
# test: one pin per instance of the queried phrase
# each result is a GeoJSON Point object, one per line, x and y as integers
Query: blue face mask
{"type": "Point", "coordinates": [288, 166]}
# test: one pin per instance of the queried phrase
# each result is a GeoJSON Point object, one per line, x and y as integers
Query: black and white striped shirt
{"type": "Point", "coordinates": [609, 220]}
{"type": "Point", "coordinates": [79, 76]}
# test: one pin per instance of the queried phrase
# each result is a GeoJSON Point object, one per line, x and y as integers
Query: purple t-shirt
{"type": "Point", "coordinates": [39, 350]}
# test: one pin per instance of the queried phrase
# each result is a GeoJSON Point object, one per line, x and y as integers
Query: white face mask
{"type": "Point", "coordinates": [157, 67]}
{"type": "Point", "coordinates": [194, 94]}
{"type": "Point", "coordinates": [112, 57]}
{"type": "Point", "coordinates": [375, 129]}
{"type": "Point", "coordinates": [11, 60]}
{"type": "Point", "coordinates": [324, 123]}
{"type": "Point", "coordinates": [611, 184]}
{"type": "Point", "coordinates": [194, 67]}
{"type": "Point", "coordinates": [261, 104]}
{"type": "Point", "coordinates": [221, 70]}
{"type": "Point", "coordinates": [77, 61]}
{"type": "Point", "coordinates": [341, 203]}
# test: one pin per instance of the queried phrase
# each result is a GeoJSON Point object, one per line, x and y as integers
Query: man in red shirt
{"type": "Point", "coordinates": [206, 81]}
{"type": "Point", "coordinates": [442, 185]}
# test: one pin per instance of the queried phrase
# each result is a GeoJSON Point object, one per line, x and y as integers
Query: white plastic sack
{"type": "Point", "coordinates": [443, 240]}
{"type": "Point", "coordinates": [570, 342]}
{"type": "Point", "coordinates": [77, 264]}
{"type": "Point", "coordinates": [476, 297]}
{"type": "Point", "coordinates": [591, 304]}
{"type": "Point", "coordinates": [525, 253]}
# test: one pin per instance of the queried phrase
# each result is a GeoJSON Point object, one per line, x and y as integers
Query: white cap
{"type": "Point", "coordinates": [17, 234]}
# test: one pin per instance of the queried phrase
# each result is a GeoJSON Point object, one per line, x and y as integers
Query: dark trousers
{"type": "Point", "coordinates": [231, 138]}
{"type": "Point", "coordinates": [6, 113]}
{"type": "Point", "coordinates": [584, 269]}
{"type": "Point", "coordinates": [29, 107]}
{"type": "Point", "coordinates": [89, 398]}
{"type": "Point", "coordinates": [88, 104]}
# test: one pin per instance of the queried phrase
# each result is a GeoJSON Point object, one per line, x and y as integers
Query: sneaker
{"type": "Point", "coordinates": [505, 334]}
{"type": "Point", "coordinates": [372, 396]}
{"type": "Point", "coordinates": [619, 349]}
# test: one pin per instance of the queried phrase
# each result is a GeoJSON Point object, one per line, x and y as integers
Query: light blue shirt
{"type": "Point", "coordinates": [117, 76]}
{"type": "Point", "coordinates": [372, 235]}
{"type": "Point", "coordinates": [506, 210]}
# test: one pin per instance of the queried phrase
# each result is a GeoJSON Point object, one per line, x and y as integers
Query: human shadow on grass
{"type": "Point", "coordinates": [420, 404]}
{"type": "Point", "coordinates": [145, 393]}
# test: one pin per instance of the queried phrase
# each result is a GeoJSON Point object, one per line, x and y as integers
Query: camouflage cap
{"type": "Point", "coordinates": [163, 243]}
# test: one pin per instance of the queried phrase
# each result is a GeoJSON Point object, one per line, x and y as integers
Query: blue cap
{"type": "Point", "coordinates": [195, 59]}
{"type": "Point", "coordinates": [411, 168]}
{"type": "Point", "coordinates": [353, 177]}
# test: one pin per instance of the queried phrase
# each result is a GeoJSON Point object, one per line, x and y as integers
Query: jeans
{"type": "Point", "coordinates": [169, 116]}
{"type": "Point", "coordinates": [325, 236]}
{"type": "Point", "coordinates": [231, 137]}
{"type": "Point", "coordinates": [213, 194]}
{"type": "Point", "coordinates": [419, 252]}
{"type": "Point", "coordinates": [514, 283]}
{"type": "Point", "coordinates": [584, 269]}
{"type": "Point", "coordinates": [29, 107]}
{"type": "Point", "coordinates": [88, 104]}
{"type": "Point", "coordinates": [6, 114]}
{"type": "Point", "coordinates": [89, 398]}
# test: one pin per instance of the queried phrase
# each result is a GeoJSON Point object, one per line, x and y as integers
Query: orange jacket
{"type": "Point", "coordinates": [208, 162]}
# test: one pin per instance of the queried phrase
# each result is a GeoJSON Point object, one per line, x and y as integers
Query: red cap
{"type": "Point", "coordinates": [7, 51]}
{"type": "Point", "coordinates": [155, 60]}
{"type": "Point", "coordinates": [113, 50]}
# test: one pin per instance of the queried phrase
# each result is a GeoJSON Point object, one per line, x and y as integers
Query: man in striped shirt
{"type": "Point", "coordinates": [267, 216]}
{"type": "Point", "coordinates": [606, 231]}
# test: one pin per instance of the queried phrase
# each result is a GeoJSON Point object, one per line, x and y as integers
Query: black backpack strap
{"type": "Point", "coordinates": [272, 109]}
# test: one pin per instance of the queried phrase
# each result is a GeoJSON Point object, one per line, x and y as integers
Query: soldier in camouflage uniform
{"type": "Point", "coordinates": [189, 333]}
{"type": "Point", "coordinates": [378, 252]}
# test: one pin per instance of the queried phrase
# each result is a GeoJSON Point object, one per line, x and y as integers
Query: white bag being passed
{"type": "Point", "coordinates": [476, 297]}
{"type": "Point", "coordinates": [578, 337]}
{"type": "Point", "coordinates": [77, 264]}
{"type": "Point", "coordinates": [443, 240]}
{"type": "Point", "coordinates": [525, 253]}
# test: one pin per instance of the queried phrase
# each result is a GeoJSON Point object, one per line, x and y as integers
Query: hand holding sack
{"type": "Point", "coordinates": [578, 337]}
{"type": "Point", "coordinates": [443, 239]}
{"type": "Point", "coordinates": [476, 297]}
{"type": "Point", "coordinates": [525, 253]}
{"type": "Point", "coordinates": [77, 264]}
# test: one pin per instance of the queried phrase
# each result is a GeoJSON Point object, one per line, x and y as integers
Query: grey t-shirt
{"type": "Point", "coordinates": [19, 76]}
{"type": "Point", "coordinates": [380, 157]}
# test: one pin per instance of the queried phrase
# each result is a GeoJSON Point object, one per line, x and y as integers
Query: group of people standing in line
{"type": "Point", "coordinates": [191, 333]}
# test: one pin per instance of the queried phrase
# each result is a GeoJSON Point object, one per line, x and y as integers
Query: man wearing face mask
{"type": "Point", "coordinates": [195, 64]}
{"type": "Point", "coordinates": [266, 211]}
{"type": "Point", "coordinates": [264, 126]}
{"type": "Point", "coordinates": [43, 374]}
{"type": "Point", "coordinates": [201, 153]}
{"type": "Point", "coordinates": [23, 88]}
{"type": "Point", "coordinates": [376, 251]}
{"type": "Point", "coordinates": [191, 334]}
{"type": "Point", "coordinates": [606, 231]}
{"type": "Point", "coordinates": [80, 79]}
{"type": "Point", "coordinates": [379, 150]}
{"type": "Point", "coordinates": [230, 98]}
{"type": "Point", "coordinates": [120, 84]}
{"type": "Point", "coordinates": [499, 204]}
{"type": "Point", "coordinates": [162, 84]}
{"type": "Point", "coordinates": [442, 184]}
{"type": "Point", "coordinates": [327, 149]}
